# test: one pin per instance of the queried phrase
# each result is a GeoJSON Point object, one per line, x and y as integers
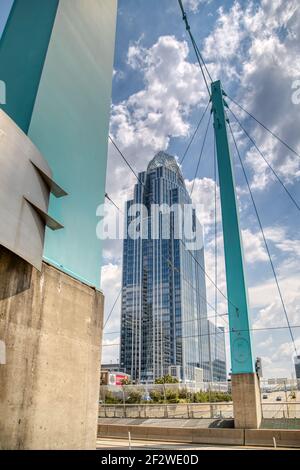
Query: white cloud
{"type": "Point", "coordinates": [118, 74]}
{"type": "Point", "coordinates": [278, 236]}
{"type": "Point", "coordinates": [225, 40]}
{"type": "Point", "coordinates": [254, 248]}
{"type": "Point", "coordinates": [111, 285]}
{"type": "Point", "coordinates": [144, 122]}
{"type": "Point", "coordinates": [256, 51]}
{"type": "Point", "coordinates": [194, 5]}
{"type": "Point", "coordinates": [110, 350]}
{"type": "Point", "coordinates": [204, 195]}
{"type": "Point", "coordinates": [286, 351]}
{"type": "Point", "coordinates": [268, 67]}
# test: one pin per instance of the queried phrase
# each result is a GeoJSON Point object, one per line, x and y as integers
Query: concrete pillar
{"type": "Point", "coordinates": [49, 387]}
{"type": "Point", "coordinates": [246, 401]}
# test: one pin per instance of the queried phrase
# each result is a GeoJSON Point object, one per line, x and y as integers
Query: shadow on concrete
{"type": "Point", "coordinates": [222, 423]}
{"type": "Point", "coordinates": [15, 274]}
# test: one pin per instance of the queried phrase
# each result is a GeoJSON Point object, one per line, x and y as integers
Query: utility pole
{"type": "Point", "coordinates": [245, 383]}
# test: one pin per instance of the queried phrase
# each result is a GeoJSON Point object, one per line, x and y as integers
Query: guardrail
{"type": "Point", "coordinates": [177, 410]}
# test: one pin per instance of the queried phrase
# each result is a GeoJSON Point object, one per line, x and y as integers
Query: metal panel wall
{"type": "Point", "coordinates": [25, 185]}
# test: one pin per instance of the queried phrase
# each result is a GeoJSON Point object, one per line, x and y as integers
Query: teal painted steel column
{"type": "Point", "coordinates": [23, 49]}
{"type": "Point", "coordinates": [240, 337]}
{"type": "Point", "coordinates": [69, 125]}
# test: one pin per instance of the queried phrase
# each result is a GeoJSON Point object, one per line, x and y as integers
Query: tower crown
{"type": "Point", "coordinates": [167, 161]}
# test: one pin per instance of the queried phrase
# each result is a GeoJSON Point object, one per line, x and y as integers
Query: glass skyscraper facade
{"type": "Point", "coordinates": [164, 317]}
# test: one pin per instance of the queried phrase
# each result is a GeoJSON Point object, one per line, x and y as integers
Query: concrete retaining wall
{"type": "Point", "coordinates": [49, 387]}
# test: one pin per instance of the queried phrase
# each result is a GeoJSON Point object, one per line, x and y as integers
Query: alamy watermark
{"type": "Point", "coordinates": [163, 221]}
{"type": "Point", "coordinates": [296, 94]}
{"type": "Point", "coordinates": [2, 353]}
{"type": "Point", "coordinates": [2, 92]}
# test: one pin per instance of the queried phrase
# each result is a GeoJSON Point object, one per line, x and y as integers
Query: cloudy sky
{"type": "Point", "coordinates": [158, 98]}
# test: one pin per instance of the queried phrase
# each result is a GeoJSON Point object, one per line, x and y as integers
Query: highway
{"type": "Point", "coordinates": [123, 444]}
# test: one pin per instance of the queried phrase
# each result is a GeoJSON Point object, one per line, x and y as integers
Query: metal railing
{"type": "Point", "coordinates": [281, 410]}
{"type": "Point", "coordinates": [207, 400]}
{"type": "Point", "coordinates": [179, 410]}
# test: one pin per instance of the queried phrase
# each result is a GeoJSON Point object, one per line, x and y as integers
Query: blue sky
{"type": "Point", "coordinates": [4, 12]}
{"type": "Point", "coordinates": [158, 97]}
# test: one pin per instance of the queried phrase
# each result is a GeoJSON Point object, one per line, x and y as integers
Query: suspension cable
{"type": "Point", "coordinates": [131, 324]}
{"type": "Point", "coordinates": [264, 126]}
{"type": "Point", "coordinates": [193, 287]}
{"type": "Point", "coordinates": [125, 159]}
{"type": "Point", "coordinates": [112, 309]}
{"type": "Point", "coordinates": [262, 155]}
{"type": "Point", "coordinates": [199, 56]}
{"type": "Point", "coordinates": [112, 202]}
{"type": "Point", "coordinates": [264, 238]}
{"type": "Point", "coordinates": [210, 279]}
{"type": "Point", "coordinates": [221, 332]}
{"type": "Point", "coordinates": [200, 156]}
{"type": "Point", "coordinates": [207, 317]}
{"type": "Point", "coordinates": [194, 135]}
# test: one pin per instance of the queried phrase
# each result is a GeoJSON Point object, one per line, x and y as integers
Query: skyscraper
{"type": "Point", "coordinates": [164, 317]}
{"type": "Point", "coordinates": [297, 366]}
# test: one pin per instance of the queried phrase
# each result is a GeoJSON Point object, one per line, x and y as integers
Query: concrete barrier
{"type": "Point", "coordinates": [265, 437]}
{"type": "Point", "coordinates": [190, 435]}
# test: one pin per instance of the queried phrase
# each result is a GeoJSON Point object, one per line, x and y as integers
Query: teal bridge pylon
{"type": "Point", "coordinates": [240, 336]}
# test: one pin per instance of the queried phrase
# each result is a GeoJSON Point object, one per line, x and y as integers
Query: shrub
{"type": "Point", "coordinates": [183, 394]}
{"type": "Point", "coordinates": [157, 396]}
{"type": "Point", "coordinates": [213, 397]}
{"type": "Point", "coordinates": [201, 397]}
{"type": "Point", "coordinates": [111, 399]}
{"type": "Point", "coordinates": [172, 396]}
{"type": "Point", "coordinates": [134, 397]}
